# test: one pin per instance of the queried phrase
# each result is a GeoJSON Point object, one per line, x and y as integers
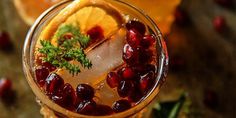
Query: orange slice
{"type": "Point", "coordinates": [85, 14]}
{"type": "Point", "coordinates": [29, 10]}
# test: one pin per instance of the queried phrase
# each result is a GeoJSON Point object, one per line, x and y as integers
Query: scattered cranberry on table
{"type": "Point", "coordinates": [5, 42]}
{"type": "Point", "coordinates": [219, 24]}
{"type": "Point", "coordinates": [7, 95]}
{"type": "Point", "coordinates": [5, 86]}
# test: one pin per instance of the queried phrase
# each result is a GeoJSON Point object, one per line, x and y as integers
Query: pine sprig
{"type": "Point", "coordinates": [69, 48]}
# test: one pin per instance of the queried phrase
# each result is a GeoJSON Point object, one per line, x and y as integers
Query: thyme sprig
{"type": "Point", "coordinates": [67, 49]}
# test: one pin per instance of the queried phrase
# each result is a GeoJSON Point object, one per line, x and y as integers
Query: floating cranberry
{"type": "Point", "coordinates": [69, 97]}
{"type": "Point", "coordinates": [146, 82]}
{"type": "Point", "coordinates": [5, 42]}
{"type": "Point", "coordinates": [49, 66]}
{"type": "Point", "coordinates": [121, 105]}
{"type": "Point", "coordinates": [148, 41]}
{"type": "Point", "coordinates": [127, 73]}
{"type": "Point", "coordinates": [102, 110]}
{"type": "Point", "coordinates": [136, 94]}
{"type": "Point", "coordinates": [5, 87]}
{"type": "Point", "coordinates": [124, 88]}
{"type": "Point", "coordinates": [113, 79]}
{"type": "Point", "coordinates": [54, 83]}
{"type": "Point", "coordinates": [145, 56]}
{"type": "Point", "coordinates": [130, 55]}
{"type": "Point", "coordinates": [143, 69]}
{"type": "Point", "coordinates": [96, 33]}
{"type": "Point", "coordinates": [86, 107]}
{"type": "Point", "coordinates": [41, 73]}
{"type": "Point", "coordinates": [140, 27]}
{"type": "Point", "coordinates": [219, 24]}
{"type": "Point", "coordinates": [134, 38]}
{"type": "Point", "coordinates": [85, 92]}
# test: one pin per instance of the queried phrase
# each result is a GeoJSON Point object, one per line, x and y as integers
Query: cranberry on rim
{"type": "Point", "coordinates": [140, 27]}
{"type": "Point", "coordinates": [121, 105]}
{"type": "Point", "coordinates": [53, 84]}
{"type": "Point", "coordinates": [113, 79]}
{"type": "Point", "coordinates": [85, 92]}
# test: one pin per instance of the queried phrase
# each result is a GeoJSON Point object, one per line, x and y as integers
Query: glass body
{"type": "Point", "coordinates": [44, 19]}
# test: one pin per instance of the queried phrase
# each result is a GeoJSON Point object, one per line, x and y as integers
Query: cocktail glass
{"type": "Point", "coordinates": [53, 108]}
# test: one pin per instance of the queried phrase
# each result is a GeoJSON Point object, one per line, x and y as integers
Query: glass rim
{"type": "Point", "coordinates": [161, 74]}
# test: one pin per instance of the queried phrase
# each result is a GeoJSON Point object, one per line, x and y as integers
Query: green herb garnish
{"type": "Point", "coordinates": [67, 49]}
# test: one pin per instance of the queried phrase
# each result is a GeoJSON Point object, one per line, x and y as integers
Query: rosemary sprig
{"type": "Point", "coordinates": [66, 49]}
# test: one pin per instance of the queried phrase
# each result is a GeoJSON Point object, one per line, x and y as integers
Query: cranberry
{"type": "Point", "coordinates": [130, 55]}
{"type": "Point", "coordinates": [134, 38]}
{"type": "Point", "coordinates": [41, 73]}
{"type": "Point", "coordinates": [140, 27]}
{"type": "Point", "coordinates": [5, 87]}
{"type": "Point", "coordinates": [86, 107]}
{"type": "Point", "coordinates": [225, 3]}
{"type": "Point", "coordinates": [127, 73]}
{"type": "Point", "coordinates": [136, 94]}
{"type": "Point", "coordinates": [148, 41]}
{"type": "Point", "coordinates": [146, 82]}
{"type": "Point", "coordinates": [112, 79]}
{"type": "Point", "coordinates": [85, 92]}
{"type": "Point", "coordinates": [66, 97]}
{"type": "Point", "coordinates": [5, 42]}
{"type": "Point", "coordinates": [96, 33]}
{"type": "Point", "coordinates": [219, 24]}
{"type": "Point", "coordinates": [143, 69]}
{"type": "Point", "coordinates": [124, 88]}
{"type": "Point", "coordinates": [121, 105]}
{"type": "Point", "coordinates": [54, 83]}
{"type": "Point", "coordinates": [102, 110]}
{"type": "Point", "coordinates": [145, 56]}
{"type": "Point", "coordinates": [47, 65]}
{"type": "Point", "coordinates": [210, 99]}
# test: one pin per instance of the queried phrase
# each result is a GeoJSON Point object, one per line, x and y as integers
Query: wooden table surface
{"type": "Point", "coordinates": [209, 62]}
